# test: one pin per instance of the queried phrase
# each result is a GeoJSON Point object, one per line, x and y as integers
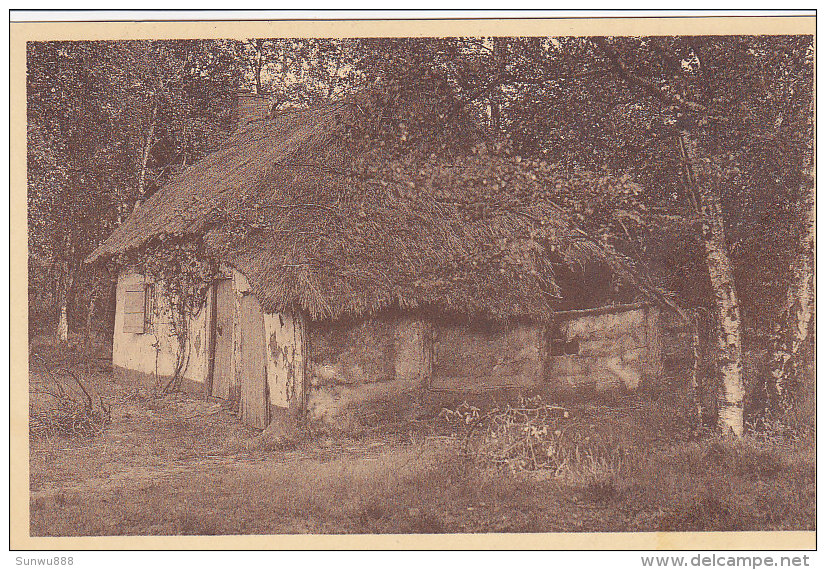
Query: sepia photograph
{"type": "Point", "coordinates": [539, 279]}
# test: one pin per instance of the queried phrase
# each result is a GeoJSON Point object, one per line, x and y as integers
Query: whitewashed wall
{"type": "Point", "coordinates": [154, 352]}
{"type": "Point", "coordinates": [284, 334]}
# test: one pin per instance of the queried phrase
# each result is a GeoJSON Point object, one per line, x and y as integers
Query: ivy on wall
{"type": "Point", "coordinates": [183, 273]}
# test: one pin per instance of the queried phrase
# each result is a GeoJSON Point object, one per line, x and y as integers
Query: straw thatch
{"type": "Point", "coordinates": [318, 208]}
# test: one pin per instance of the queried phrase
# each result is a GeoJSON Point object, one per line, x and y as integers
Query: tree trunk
{"type": "Point", "coordinates": [62, 332]}
{"type": "Point", "coordinates": [796, 315]}
{"type": "Point", "coordinates": [496, 92]}
{"type": "Point", "coordinates": [259, 66]}
{"type": "Point", "coordinates": [90, 312]}
{"type": "Point", "coordinates": [111, 299]}
{"type": "Point", "coordinates": [797, 312]}
{"type": "Point", "coordinates": [701, 181]}
{"type": "Point", "coordinates": [147, 148]}
{"type": "Point", "coordinates": [65, 284]}
{"type": "Point", "coordinates": [63, 321]}
{"type": "Point", "coordinates": [334, 78]}
{"type": "Point", "coordinates": [695, 370]}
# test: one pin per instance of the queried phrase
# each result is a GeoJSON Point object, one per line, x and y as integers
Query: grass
{"type": "Point", "coordinates": [172, 466]}
{"type": "Point", "coordinates": [425, 488]}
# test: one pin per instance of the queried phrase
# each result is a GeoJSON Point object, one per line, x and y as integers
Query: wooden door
{"type": "Point", "coordinates": [222, 369]}
{"type": "Point", "coordinates": [254, 404]}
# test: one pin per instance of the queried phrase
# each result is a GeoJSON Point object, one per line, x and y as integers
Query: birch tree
{"type": "Point", "coordinates": [730, 98]}
{"type": "Point", "coordinates": [796, 314]}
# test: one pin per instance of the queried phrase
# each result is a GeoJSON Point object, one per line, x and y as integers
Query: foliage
{"type": "Point", "coordinates": [108, 123]}
{"type": "Point", "coordinates": [563, 101]}
{"type": "Point", "coordinates": [177, 103]}
{"type": "Point", "coordinates": [302, 72]}
{"type": "Point", "coordinates": [181, 266]}
{"type": "Point", "coordinates": [558, 100]}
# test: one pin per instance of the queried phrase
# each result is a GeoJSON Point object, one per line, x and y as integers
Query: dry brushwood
{"type": "Point", "coordinates": [76, 412]}
{"type": "Point", "coordinates": [532, 436]}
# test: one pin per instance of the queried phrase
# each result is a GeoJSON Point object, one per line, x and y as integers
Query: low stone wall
{"type": "Point", "coordinates": [397, 363]}
{"type": "Point", "coordinates": [367, 366]}
{"type": "Point", "coordinates": [478, 356]}
{"type": "Point", "coordinates": [603, 350]}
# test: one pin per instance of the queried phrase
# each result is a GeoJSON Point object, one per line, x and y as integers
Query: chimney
{"type": "Point", "coordinates": [250, 107]}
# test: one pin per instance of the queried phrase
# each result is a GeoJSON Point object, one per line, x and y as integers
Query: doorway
{"type": "Point", "coordinates": [222, 368]}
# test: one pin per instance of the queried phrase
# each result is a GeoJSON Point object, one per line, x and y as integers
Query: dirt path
{"type": "Point", "coordinates": [141, 476]}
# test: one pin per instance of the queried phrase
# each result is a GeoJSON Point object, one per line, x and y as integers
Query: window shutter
{"type": "Point", "coordinates": [134, 311]}
{"type": "Point", "coordinates": [148, 307]}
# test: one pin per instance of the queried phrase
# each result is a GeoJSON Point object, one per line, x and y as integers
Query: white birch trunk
{"type": "Point", "coordinates": [62, 331]}
{"type": "Point", "coordinates": [796, 316]}
{"type": "Point", "coordinates": [147, 148]}
{"type": "Point", "coordinates": [797, 312]}
{"type": "Point", "coordinates": [63, 322]}
{"type": "Point", "coordinates": [726, 306]}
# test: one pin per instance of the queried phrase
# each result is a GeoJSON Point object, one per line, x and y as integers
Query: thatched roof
{"type": "Point", "coordinates": [317, 213]}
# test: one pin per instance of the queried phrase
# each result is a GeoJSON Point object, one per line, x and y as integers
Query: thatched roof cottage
{"type": "Point", "coordinates": [363, 262]}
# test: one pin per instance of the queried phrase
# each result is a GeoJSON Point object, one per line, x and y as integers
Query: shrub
{"type": "Point", "coordinates": [73, 409]}
{"type": "Point", "coordinates": [68, 418]}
